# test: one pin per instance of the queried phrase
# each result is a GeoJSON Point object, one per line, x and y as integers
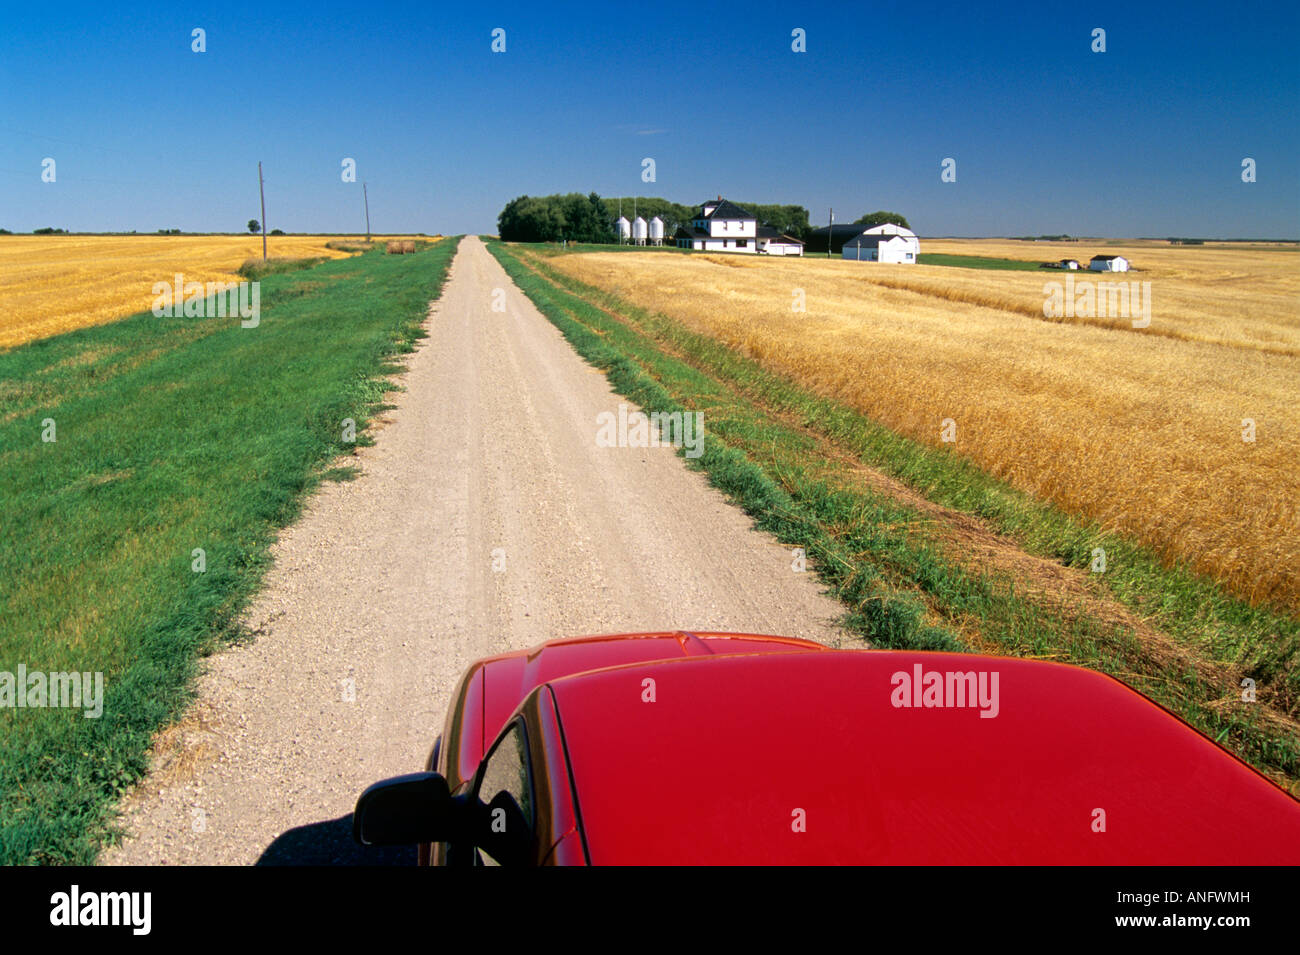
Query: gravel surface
{"type": "Point", "coordinates": [385, 590]}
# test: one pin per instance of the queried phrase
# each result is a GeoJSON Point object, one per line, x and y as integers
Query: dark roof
{"type": "Point", "coordinates": [867, 241]}
{"type": "Point", "coordinates": [1106, 258]}
{"type": "Point", "coordinates": [767, 232]}
{"type": "Point", "coordinates": [691, 233]}
{"type": "Point", "coordinates": [845, 230]}
{"type": "Point", "coordinates": [725, 210]}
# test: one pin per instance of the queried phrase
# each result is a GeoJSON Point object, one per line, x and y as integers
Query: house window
{"type": "Point", "coordinates": [742, 243]}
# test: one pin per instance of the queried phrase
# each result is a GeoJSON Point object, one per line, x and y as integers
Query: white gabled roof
{"type": "Point", "coordinates": [890, 228]}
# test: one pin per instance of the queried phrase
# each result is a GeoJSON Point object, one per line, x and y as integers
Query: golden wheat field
{"type": "Point", "coordinates": [1140, 430]}
{"type": "Point", "coordinates": [55, 283]}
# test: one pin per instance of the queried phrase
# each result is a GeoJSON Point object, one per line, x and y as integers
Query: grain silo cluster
{"type": "Point", "coordinates": [638, 231]}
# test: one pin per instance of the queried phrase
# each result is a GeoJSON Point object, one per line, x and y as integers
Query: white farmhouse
{"type": "Point", "coordinates": [889, 243]}
{"type": "Point", "coordinates": [1108, 263]}
{"type": "Point", "coordinates": [722, 226]}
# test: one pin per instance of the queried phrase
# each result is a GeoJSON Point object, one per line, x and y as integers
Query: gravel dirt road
{"type": "Point", "coordinates": [385, 590]}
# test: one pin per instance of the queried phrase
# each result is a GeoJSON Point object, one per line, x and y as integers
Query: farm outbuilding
{"type": "Point", "coordinates": [838, 236]}
{"type": "Point", "coordinates": [624, 228]}
{"type": "Point", "coordinates": [1108, 263]}
{"type": "Point", "coordinates": [772, 242]}
{"type": "Point", "coordinates": [1070, 264]}
{"type": "Point", "coordinates": [895, 249]}
{"type": "Point", "coordinates": [835, 236]}
{"type": "Point", "coordinates": [913, 244]}
{"type": "Point", "coordinates": [639, 231]}
{"type": "Point", "coordinates": [656, 231]}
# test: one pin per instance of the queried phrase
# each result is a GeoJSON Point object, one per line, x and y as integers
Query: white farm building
{"type": "Point", "coordinates": [1108, 263]}
{"type": "Point", "coordinates": [722, 226]}
{"type": "Point", "coordinates": [887, 243]}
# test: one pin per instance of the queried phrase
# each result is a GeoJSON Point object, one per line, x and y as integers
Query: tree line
{"type": "Point", "coordinates": [590, 218]}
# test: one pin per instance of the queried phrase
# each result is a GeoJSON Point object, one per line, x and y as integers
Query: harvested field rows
{"type": "Point", "coordinates": [1141, 433]}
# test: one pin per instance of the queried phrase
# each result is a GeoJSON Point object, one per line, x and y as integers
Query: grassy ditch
{"type": "Point", "coordinates": [130, 542]}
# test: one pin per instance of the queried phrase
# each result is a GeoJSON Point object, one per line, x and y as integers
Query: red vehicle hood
{"type": "Point", "coordinates": [848, 757]}
{"type": "Point", "coordinates": [509, 678]}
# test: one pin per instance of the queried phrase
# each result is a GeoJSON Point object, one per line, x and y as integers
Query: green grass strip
{"type": "Point", "coordinates": [172, 435]}
{"type": "Point", "coordinates": [978, 262]}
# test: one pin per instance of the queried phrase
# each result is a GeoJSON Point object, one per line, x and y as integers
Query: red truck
{"type": "Point", "coordinates": [738, 749]}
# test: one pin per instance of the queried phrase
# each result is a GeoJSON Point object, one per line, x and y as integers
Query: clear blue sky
{"type": "Point", "coordinates": [1145, 139]}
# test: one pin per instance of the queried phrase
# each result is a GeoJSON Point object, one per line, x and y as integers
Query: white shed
{"type": "Point", "coordinates": [1070, 264]}
{"type": "Point", "coordinates": [911, 243]}
{"type": "Point", "coordinates": [772, 242]}
{"type": "Point", "coordinates": [1108, 263]}
{"type": "Point", "coordinates": [897, 249]}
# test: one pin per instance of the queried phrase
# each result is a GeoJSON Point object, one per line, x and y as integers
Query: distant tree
{"type": "Point", "coordinates": [49, 230]}
{"type": "Point", "coordinates": [254, 226]}
{"type": "Point", "coordinates": [277, 232]}
{"type": "Point", "coordinates": [529, 219]}
{"type": "Point", "coordinates": [873, 219]}
{"type": "Point", "coordinates": [574, 217]}
{"type": "Point", "coordinates": [788, 220]}
{"type": "Point", "coordinates": [5, 232]}
{"type": "Point", "coordinates": [586, 221]}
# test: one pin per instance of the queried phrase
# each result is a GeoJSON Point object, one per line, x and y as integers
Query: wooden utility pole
{"type": "Point", "coordinates": [262, 192]}
{"type": "Point", "coordinates": [830, 234]}
{"type": "Point", "coordinates": [366, 196]}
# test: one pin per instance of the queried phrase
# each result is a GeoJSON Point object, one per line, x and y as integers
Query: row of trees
{"type": "Point", "coordinates": [574, 217]}
{"type": "Point", "coordinates": [590, 218]}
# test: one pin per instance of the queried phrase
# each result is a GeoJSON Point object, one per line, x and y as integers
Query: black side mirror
{"type": "Point", "coordinates": [406, 810]}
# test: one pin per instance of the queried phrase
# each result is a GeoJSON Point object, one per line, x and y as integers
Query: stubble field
{"type": "Point", "coordinates": [1140, 431]}
{"type": "Point", "coordinates": [51, 284]}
